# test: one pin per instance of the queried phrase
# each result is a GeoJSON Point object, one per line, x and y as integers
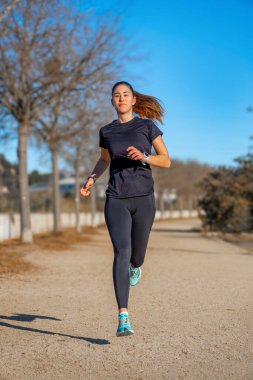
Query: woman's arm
{"type": "Point", "coordinates": [161, 159]}
{"type": "Point", "coordinates": [101, 165]}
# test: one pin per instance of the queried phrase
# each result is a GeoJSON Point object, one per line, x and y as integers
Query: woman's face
{"type": "Point", "coordinates": [123, 99]}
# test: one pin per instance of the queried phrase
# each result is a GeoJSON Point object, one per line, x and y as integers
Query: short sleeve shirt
{"type": "Point", "coordinates": [128, 177]}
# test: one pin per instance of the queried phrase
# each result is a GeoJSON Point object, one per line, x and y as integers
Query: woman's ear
{"type": "Point", "coordinates": [134, 100]}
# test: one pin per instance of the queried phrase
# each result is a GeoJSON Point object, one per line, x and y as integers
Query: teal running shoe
{"type": "Point", "coordinates": [134, 275]}
{"type": "Point", "coordinates": [124, 327]}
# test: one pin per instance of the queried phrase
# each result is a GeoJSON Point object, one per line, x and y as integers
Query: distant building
{"type": "Point", "coordinates": [169, 195]}
{"type": "Point", "coordinates": [39, 187]}
{"type": "Point", "coordinates": [67, 186]}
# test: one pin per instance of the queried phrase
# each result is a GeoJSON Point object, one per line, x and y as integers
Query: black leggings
{"type": "Point", "coordinates": [129, 221]}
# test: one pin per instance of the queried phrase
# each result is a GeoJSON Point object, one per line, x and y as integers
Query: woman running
{"type": "Point", "coordinates": [129, 208]}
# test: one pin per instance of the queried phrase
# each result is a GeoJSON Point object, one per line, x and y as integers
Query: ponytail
{"type": "Point", "coordinates": [146, 106]}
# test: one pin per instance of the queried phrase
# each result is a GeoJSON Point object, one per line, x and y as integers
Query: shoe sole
{"type": "Point", "coordinates": [126, 332]}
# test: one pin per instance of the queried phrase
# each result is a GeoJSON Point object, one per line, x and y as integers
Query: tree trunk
{"type": "Point", "coordinates": [171, 208]}
{"type": "Point", "coordinates": [93, 206]}
{"type": "Point", "coordinates": [161, 202]}
{"type": "Point", "coordinates": [77, 193]}
{"type": "Point", "coordinates": [190, 205]}
{"type": "Point", "coordinates": [24, 198]}
{"type": "Point", "coordinates": [181, 206]}
{"type": "Point", "coordinates": [56, 190]}
{"type": "Point", "coordinates": [7, 9]}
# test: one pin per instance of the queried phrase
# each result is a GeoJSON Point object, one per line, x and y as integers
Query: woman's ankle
{"type": "Point", "coordinates": [123, 310]}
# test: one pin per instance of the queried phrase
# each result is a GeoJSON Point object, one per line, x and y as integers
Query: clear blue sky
{"type": "Point", "coordinates": [199, 62]}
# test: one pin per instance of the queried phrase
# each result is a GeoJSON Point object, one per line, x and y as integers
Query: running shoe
{"type": "Point", "coordinates": [134, 275]}
{"type": "Point", "coordinates": [124, 327]}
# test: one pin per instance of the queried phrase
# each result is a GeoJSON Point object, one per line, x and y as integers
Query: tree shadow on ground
{"type": "Point", "coordinates": [176, 230]}
{"type": "Point", "coordinates": [30, 318]}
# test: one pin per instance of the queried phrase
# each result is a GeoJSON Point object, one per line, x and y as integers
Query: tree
{"type": "Point", "coordinates": [43, 57]}
{"type": "Point", "coordinates": [77, 80]}
{"type": "Point", "coordinates": [81, 150]}
{"type": "Point", "coordinates": [181, 180]}
{"type": "Point", "coordinates": [227, 197]}
{"type": "Point", "coordinates": [26, 40]}
{"type": "Point", "coordinates": [7, 9]}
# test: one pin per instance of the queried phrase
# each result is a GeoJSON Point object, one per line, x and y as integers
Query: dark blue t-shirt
{"type": "Point", "coordinates": [128, 177]}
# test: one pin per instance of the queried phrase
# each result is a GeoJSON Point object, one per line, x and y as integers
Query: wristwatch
{"type": "Point", "coordinates": [146, 158]}
{"type": "Point", "coordinates": [93, 176]}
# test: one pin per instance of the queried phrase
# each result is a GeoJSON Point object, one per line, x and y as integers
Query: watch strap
{"type": "Point", "coordinates": [146, 157]}
{"type": "Point", "coordinates": [93, 176]}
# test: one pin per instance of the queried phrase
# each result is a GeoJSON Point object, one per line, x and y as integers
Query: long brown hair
{"type": "Point", "coordinates": [146, 106]}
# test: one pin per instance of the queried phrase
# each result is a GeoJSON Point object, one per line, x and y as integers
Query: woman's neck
{"type": "Point", "coordinates": [125, 118]}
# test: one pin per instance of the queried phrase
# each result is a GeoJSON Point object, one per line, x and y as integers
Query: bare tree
{"type": "Point", "coordinates": [25, 40]}
{"type": "Point", "coordinates": [81, 150]}
{"type": "Point", "coordinates": [54, 127]}
{"type": "Point", "coordinates": [183, 178]}
{"type": "Point", "coordinates": [42, 58]}
{"type": "Point", "coordinates": [78, 153]}
{"type": "Point", "coordinates": [7, 9]}
{"type": "Point", "coordinates": [75, 78]}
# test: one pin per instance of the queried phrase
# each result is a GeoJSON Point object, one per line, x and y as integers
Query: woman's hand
{"type": "Point", "coordinates": [135, 154]}
{"type": "Point", "coordinates": [85, 189]}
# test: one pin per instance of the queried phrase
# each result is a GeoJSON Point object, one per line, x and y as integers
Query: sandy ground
{"type": "Point", "coordinates": [192, 312]}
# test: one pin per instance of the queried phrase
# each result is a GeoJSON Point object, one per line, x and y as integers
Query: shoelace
{"type": "Point", "coordinates": [134, 272]}
{"type": "Point", "coordinates": [124, 319]}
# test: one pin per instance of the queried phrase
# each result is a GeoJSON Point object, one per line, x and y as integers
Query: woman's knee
{"type": "Point", "coordinates": [123, 254]}
{"type": "Point", "coordinates": [137, 261]}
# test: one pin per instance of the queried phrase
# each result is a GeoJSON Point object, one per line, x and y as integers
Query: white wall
{"type": "Point", "coordinates": [10, 225]}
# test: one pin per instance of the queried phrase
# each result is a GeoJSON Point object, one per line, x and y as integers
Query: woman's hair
{"type": "Point", "coordinates": [146, 105]}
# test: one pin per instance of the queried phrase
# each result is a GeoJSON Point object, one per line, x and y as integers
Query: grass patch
{"type": "Point", "coordinates": [13, 253]}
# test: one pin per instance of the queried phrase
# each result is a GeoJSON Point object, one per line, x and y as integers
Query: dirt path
{"type": "Point", "coordinates": [192, 312]}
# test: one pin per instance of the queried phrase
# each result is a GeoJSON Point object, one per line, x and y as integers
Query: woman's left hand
{"type": "Point", "coordinates": [134, 153]}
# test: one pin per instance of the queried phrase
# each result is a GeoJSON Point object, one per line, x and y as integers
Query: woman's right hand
{"type": "Point", "coordinates": [85, 189]}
